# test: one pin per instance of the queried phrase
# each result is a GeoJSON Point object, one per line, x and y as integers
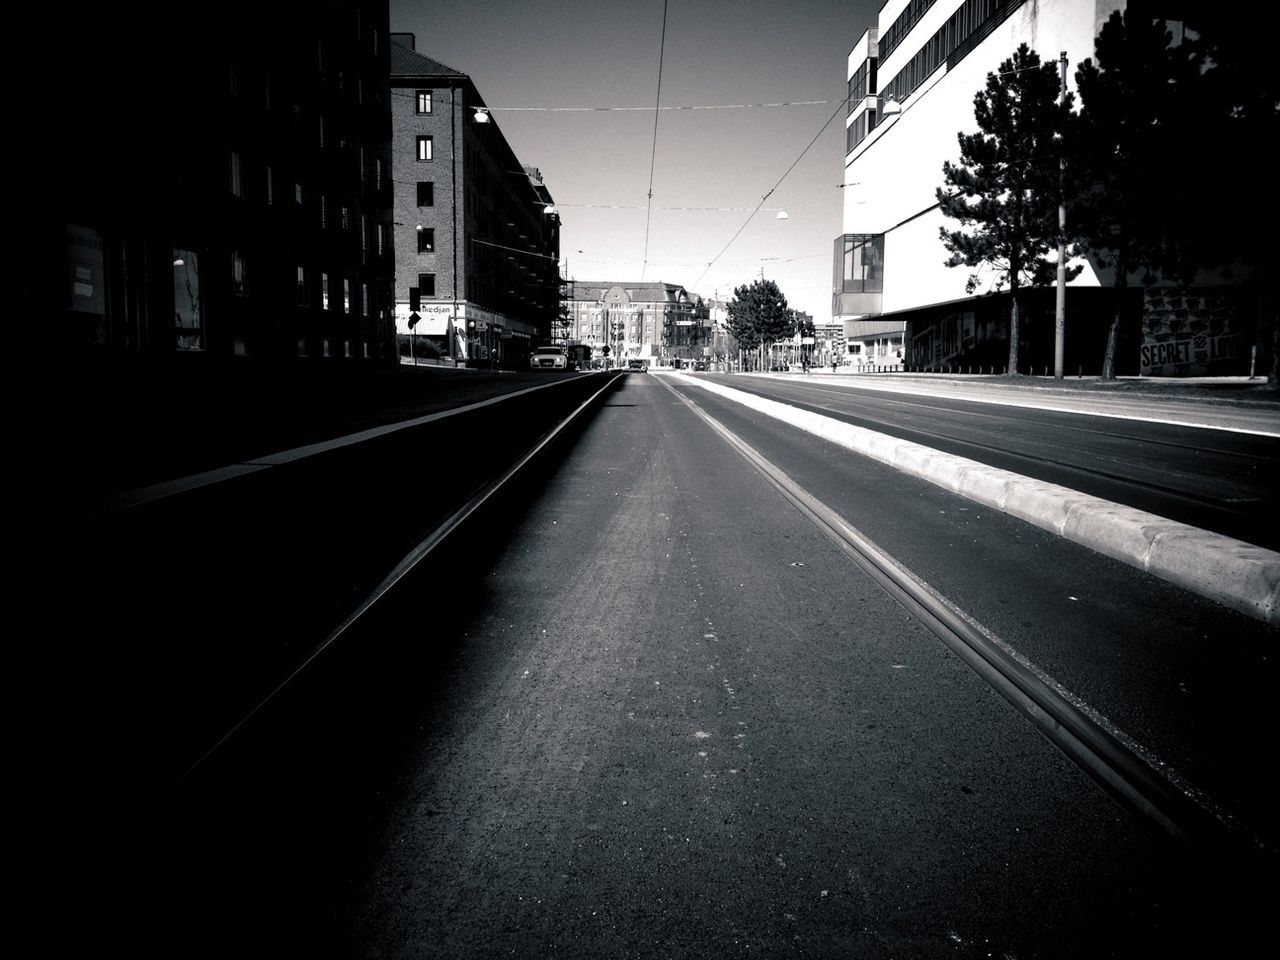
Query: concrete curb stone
{"type": "Point", "coordinates": [1239, 575]}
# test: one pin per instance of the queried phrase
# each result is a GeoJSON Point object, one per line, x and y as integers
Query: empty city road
{"type": "Point", "coordinates": [663, 713]}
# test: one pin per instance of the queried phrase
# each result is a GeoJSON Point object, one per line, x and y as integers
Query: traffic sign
{"type": "Point", "coordinates": [413, 319]}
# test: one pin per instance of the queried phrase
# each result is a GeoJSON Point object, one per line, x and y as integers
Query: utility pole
{"type": "Point", "coordinates": [1060, 311]}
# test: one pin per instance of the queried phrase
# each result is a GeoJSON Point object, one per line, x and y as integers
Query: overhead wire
{"type": "Point", "coordinates": [784, 176]}
{"type": "Point", "coordinates": [653, 157]}
{"type": "Point", "coordinates": [632, 109]}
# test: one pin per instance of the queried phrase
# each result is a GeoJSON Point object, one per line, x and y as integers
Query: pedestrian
{"type": "Point", "coordinates": [833, 364]}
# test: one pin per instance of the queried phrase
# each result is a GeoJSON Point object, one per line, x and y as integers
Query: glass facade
{"type": "Point", "coordinates": [860, 262]}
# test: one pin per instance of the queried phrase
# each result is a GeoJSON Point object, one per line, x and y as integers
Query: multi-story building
{"type": "Point", "coordinates": [912, 79]}
{"type": "Point", "coordinates": [651, 321]}
{"type": "Point", "coordinates": [477, 236]}
{"type": "Point", "coordinates": [222, 191]}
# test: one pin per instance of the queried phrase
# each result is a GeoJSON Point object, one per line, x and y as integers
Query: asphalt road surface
{"type": "Point", "coordinates": [1227, 482]}
{"type": "Point", "coordinates": [660, 714]}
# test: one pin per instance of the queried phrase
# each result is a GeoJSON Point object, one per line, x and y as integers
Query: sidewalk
{"type": "Point", "coordinates": [108, 428]}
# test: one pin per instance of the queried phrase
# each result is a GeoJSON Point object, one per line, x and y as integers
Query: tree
{"type": "Point", "coordinates": [1237, 111]}
{"type": "Point", "coordinates": [1134, 209]}
{"type": "Point", "coordinates": [1006, 187]}
{"type": "Point", "coordinates": [758, 314]}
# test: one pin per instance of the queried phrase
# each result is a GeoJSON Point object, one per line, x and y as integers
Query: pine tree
{"type": "Point", "coordinates": [1236, 108]}
{"type": "Point", "coordinates": [1005, 189]}
{"type": "Point", "coordinates": [758, 314]}
{"type": "Point", "coordinates": [1134, 212]}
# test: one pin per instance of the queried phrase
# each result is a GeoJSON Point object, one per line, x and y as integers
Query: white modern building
{"type": "Point", "coordinates": [912, 78]}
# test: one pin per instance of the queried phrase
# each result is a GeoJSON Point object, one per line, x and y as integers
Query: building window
{"type": "Point", "coordinates": [322, 131]}
{"type": "Point", "coordinates": [271, 187]}
{"type": "Point", "coordinates": [324, 211]}
{"type": "Point", "coordinates": [303, 300]}
{"type": "Point", "coordinates": [346, 295]}
{"type": "Point", "coordinates": [426, 193]}
{"type": "Point", "coordinates": [324, 291]}
{"type": "Point", "coordinates": [427, 284]}
{"type": "Point", "coordinates": [187, 314]}
{"type": "Point", "coordinates": [239, 281]}
{"type": "Point", "coordinates": [427, 240]}
{"type": "Point", "coordinates": [424, 148]}
{"type": "Point", "coordinates": [346, 219]}
{"type": "Point", "coordinates": [424, 101]}
{"type": "Point", "coordinates": [297, 194]}
{"type": "Point", "coordinates": [377, 173]}
{"type": "Point", "coordinates": [861, 262]}
{"type": "Point", "coordinates": [237, 182]}
{"type": "Point", "coordinates": [364, 299]}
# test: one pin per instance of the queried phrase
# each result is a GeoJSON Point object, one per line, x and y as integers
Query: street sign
{"type": "Point", "coordinates": [413, 319]}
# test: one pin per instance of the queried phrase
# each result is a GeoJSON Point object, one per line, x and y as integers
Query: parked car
{"type": "Point", "coordinates": [548, 358]}
{"type": "Point", "coordinates": [638, 366]}
{"type": "Point", "coordinates": [700, 365]}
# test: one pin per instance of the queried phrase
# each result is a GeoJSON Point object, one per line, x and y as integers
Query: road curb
{"type": "Point", "coordinates": [1236, 574]}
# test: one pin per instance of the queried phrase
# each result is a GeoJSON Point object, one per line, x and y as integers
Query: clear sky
{"type": "Point", "coordinates": [554, 54]}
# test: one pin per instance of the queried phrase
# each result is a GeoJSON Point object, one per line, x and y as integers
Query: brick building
{"type": "Point", "coordinates": [476, 233]}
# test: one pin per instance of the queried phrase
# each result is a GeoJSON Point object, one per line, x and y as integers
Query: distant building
{"type": "Point", "coordinates": [213, 181]}
{"type": "Point", "coordinates": [653, 321]}
{"type": "Point", "coordinates": [911, 84]}
{"type": "Point", "coordinates": [476, 233]}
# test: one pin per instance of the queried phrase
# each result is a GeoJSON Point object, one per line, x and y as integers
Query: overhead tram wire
{"type": "Point", "coordinates": [621, 109]}
{"type": "Point", "coordinates": [653, 156]}
{"type": "Point", "coordinates": [784, 176]}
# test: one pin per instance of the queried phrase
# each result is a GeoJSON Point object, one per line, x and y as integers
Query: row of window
{"type": "Point", "coordinates": [857, 131]}
{"type": "Point", "coordinates": [237, 185]}
{"type": "Point", "coordinates": [341, 216]}
{"type": "Point", "coordinates": [900, 27]}
{"type": "Point", "coordinates": [326, 303]}
{"type": "Point", "coordinates": [862, 83]}
{"type": "Point", "coordinates": [326, 348]}
{"type": "Point", "coordinates": [975, 17]}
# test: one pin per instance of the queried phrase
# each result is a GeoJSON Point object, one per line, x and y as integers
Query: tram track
{"type": "Point", "coordinates": [437, 537]}
{"type": "Point", "coordinates": [1133, 775]}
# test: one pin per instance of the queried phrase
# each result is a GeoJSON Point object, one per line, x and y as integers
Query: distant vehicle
{"type": "Point", "coordinates": [699, 365]}
{"type": "Point", "coordinates": [637, 366]}
{"type": "Point", "coordinates": [548, 358]}
{"type": "Point", "coordinates": [579, 356]}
